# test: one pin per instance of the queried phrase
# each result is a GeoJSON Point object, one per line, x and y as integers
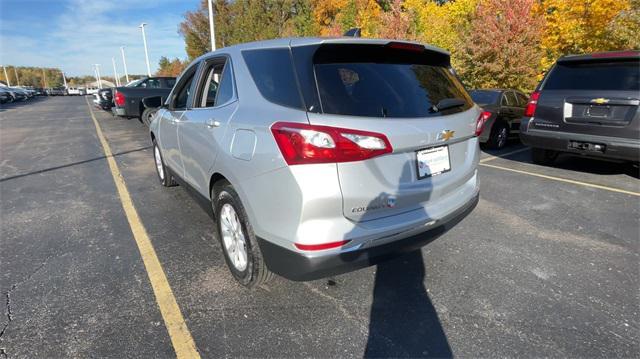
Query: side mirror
{"type": "Point", "coordinates": [153, 102]}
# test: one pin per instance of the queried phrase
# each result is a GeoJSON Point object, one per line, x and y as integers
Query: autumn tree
{"type": "Point", "coordinates": [172, 68]}
{"type": "Point", "coordinates": [243, 21]}
{"type": "Point", "coordinates": [502, 49]}
{"type": "Point", "coordinates": [582, 26]}
{"type": "Point", "coordinates": [396, 22]}
{"type": "Point", "coordinates": [445, 24]}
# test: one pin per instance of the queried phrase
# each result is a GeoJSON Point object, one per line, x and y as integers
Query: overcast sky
{"type": "Point", "coordinates": [74, 34]}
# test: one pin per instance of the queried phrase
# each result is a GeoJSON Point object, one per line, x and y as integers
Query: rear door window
{"type": "Point", "coordinates": [217, 88]}
{"type": "Point", "coordinates": [616, 76]}
{"type": "Point", "coordinates": [512, 98]}
{"type": "Point", "coordinates": [522, 99]}
{"type": "Point", "coordinates": [505, 100]}
{"type": "Point", "coordinates": [375, 81]}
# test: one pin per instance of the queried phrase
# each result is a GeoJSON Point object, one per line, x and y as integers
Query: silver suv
{"type": "Point", "coordinates": [319, 156]}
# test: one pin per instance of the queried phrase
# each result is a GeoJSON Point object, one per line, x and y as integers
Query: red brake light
{"type": "Point", "coordinates": [482, 119]}
{"type": "Point", "coordinates": [302, 143]}
{"type": "Point", "coordinates": [319, 247]}
{"type": "Point", "coordinates": [406, 46]}
{"type": "Point", "coordinates": [118, 98]}
{"type": "Point", "coordinates": [530, 110]}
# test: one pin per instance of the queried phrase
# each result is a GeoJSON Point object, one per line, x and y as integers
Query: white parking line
{"type": "Point", "coordinates": [565, 180]}
{"type": "Point", "coordinates": [491, 158]}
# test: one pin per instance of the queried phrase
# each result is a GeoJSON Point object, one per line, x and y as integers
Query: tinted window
{"type": "Point", "coordinates": [505, 100]}
{"type": "Point", "coordinates": [512, 98]}
{"type": "Point", "coordinates": [170, 82]}
{"type": "Point", "coordinates": [272, 72]}
{"type": "Point", "coordinates": [485, 97]}
{"type": "Point", "coordinates": [225, 93]}
{"type": "Point", "coordinates": [153, 83]}
{"type": "Point", "coordinates": [180, 102]}
{"type": "Point", "coordinates": [218, 86]}
{"type": "Point", "coordinates": [386, 89]}
{"type": "Point", "coordinates": [621, 76]}
{"type": "Point", "coordinates": [522, 99]}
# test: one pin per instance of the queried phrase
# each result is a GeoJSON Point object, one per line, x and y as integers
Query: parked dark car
{"type": "Point", "coordinates": [128, 99]}
{"type": "Point", "coordinates": [5, 96]}
{"type": "Point", "coordinates": [104, 99]}
{"type": "Point", "coordinates": [57, 91]}
{"type": "Point", "coordinates": [505, 109]}
{"type": "Point", "coordinates": [587, 105]}
{"type": "Point", "coordinates": [17, 94]}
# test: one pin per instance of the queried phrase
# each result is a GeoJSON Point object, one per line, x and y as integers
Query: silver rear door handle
{"type": "Point", "coordinates": [211, 123]}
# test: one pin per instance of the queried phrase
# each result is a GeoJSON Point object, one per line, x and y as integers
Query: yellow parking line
{"type": "Point", "coordinates": [179, 333]}
{"type": "Point", "coordinates": [559, 179]}
{"type": "Point", "coordinates": [491, 158]}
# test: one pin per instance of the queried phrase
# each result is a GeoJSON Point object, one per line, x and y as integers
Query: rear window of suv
{"type": "Point", "coordinates": [377, 81]}
{"type": "Point", "coordinates": [616, 76]}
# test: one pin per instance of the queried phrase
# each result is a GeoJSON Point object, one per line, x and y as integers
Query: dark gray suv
{"type": "Point", "coordinates": [588, 105]}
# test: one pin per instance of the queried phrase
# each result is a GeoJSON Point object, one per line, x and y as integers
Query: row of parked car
{"type": "Point", "coordinates": [17, 94]}
{"type": "Point", "coordinates": [320, 156]}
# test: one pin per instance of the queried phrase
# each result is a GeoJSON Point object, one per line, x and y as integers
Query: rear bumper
{"type": "Point", "coordinates": [616, 148]}
{"type": "Point", "coordinates": [119, 111]}
{"type": "Point", "coordinates": [298, 267]}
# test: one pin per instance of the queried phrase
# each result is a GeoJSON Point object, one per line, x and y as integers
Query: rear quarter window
{"type": "Point", "coordinates": [616, 76]}
{"type": "Point", "coordinates": [272, 72]}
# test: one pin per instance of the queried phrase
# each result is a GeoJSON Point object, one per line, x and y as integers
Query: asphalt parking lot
{"type": "Point", "coordinates": [546, 265]}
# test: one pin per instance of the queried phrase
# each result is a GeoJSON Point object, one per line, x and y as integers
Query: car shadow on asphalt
{"type": "Point", "coordinates": [403, 321]}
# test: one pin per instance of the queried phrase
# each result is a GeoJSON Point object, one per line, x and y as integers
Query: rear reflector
{"type": "Point", "coordinates": [482, 119]}
{"type": "Point", "coordinates": [302, 143]}
{"type": "Point", "coordinates": [319, 247]}
{"type": "Point", "coordinates": [530, 110]}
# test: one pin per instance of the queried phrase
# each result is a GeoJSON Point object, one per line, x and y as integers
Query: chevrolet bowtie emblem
{"type": "Point", "coordinates": [600, 100]}
{"type": "Point", "coordinates": [446, 135]}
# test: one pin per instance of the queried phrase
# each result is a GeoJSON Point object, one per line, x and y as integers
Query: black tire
{"type": "Point", "coordinates": [147, 114]}
{"type": "Point", "coordinates": [164, 174]}
{"type": "Point", "coordinates": [543, 157]}
{"type": "Point", "coordinates": [256, 272]}
{"type": "Point", "coordinates": [499, 136]}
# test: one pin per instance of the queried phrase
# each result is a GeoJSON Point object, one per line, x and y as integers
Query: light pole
{"type": "Point", "coordinates": [44, 78]}
{"type": "Point", "coordinates": [98, 73]}
{"type": "Point", "coordinates": [146, 52]}
{"type": "Point", "coordinates": [64, 79]}
{"type": "Point", "coordinates": [16, 72]}
{"type": "Point", "coordinates": [211, 27]}
{"type": "Point", "coordinates": [124, 62]}
{"type": "Point", "coordinates": [115, 72]}
{"type": "Point", "coordinates": [5, 75]}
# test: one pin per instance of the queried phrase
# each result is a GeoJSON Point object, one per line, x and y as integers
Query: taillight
{"type": "Point", "coordinates": [302, 143]}
{"type": "Point", "coordinates": [530, 110]}
{"type": "Point", "coordinates": [319, 247]}
{"type": "Point", "coordinates": [118, 98]}
{"type": "Point", "coordinates": [482, 119]}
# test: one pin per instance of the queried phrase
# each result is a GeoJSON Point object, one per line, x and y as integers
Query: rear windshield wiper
{"type": "Point", "coordinates": [447, 103]}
